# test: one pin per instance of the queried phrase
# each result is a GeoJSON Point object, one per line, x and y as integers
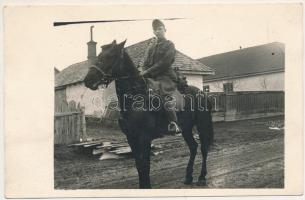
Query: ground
{"type": "Point", "coordinates": [246, 154]}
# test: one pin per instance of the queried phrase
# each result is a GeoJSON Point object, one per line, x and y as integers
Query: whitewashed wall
{"type": "Point", "coordinates": [195, 80]}
{"type": "Point", "coordinates": [95, 102]}
{"type": "Point", "coordinates": [267, 82]}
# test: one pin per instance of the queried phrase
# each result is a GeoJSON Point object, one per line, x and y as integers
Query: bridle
{"type": "Point", "coordinates": [101, 71]}
{"type": "Point", "coordinates": [110, 76]}
{"type": "Point", "coordinates": [107, 78]}
{"type": "Point", "coordinates": [103, 75]}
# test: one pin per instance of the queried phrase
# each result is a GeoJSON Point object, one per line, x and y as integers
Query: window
{"type": "Point", "coordinates": [206, 88]}
{"type": "Point", "coordinates": [228, 87]}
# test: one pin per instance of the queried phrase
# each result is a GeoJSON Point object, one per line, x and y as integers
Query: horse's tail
{"type": "Point", "coordinates": [203, 117]}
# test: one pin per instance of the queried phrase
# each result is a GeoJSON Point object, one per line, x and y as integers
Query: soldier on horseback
{"type": "Point", "coordinates": [141, 126]}
{"type": "Point", "coordinates": [157, 66]}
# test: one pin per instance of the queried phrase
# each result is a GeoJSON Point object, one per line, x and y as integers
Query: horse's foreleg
{"type": "Point", "coordinates": [141, 151]}
{"type": "Point", "coordinates": [192, 144]}
{"type": "Point", "coordinates": [144, 162]}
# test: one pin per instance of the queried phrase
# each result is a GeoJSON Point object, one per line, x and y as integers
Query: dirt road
{"type": "Point", "coordinates": [247, 154]}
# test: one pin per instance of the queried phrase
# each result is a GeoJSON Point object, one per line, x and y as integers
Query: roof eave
{"type": "Point", "coordinates": [59, 87]}
{"type": "Point", "coordinates": [243, 76]}
{"type": "Point", "coordinates": [197, 72]}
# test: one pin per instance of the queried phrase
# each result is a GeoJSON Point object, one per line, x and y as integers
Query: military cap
{"type": "Point", "coordinates": [157, 23]}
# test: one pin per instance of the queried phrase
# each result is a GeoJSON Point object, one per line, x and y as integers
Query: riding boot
{"type": "Point", "coordinates": [173, 126]}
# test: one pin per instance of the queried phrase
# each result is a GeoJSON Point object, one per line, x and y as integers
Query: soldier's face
{"type": "Point", "coordinates": [160, 32]}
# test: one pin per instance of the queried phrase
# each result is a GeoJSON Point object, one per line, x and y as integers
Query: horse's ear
{"type": "Point", "coordinates": [122, 44]}
{"type": "Point", "coordinates": [114, 42]}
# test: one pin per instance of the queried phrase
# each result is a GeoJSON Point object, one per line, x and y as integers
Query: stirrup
{"type": "Point", "coordinates": [175, 130]}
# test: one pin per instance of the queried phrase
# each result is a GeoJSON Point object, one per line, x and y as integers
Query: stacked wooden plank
{"type": "Point", "coordinates": [111, 150]}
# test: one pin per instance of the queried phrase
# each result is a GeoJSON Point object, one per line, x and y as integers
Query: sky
{"type": "Point", "coordinates": [206, 30]}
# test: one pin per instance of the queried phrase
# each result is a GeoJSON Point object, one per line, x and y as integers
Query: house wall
{"type": "Point", "coordinates": [195, 80]}
{"type": "Point", "coordinates": [267, 82]}
{"type": "Point", "coordinates": [94, 102]}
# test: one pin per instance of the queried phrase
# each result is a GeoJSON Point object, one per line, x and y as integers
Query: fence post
{"type": "Point", "coordinates": [225, 107]}
{"type": "Point", "coordinates": [83, 124]}
{"type": "Point", "coordinates": [230, 106]}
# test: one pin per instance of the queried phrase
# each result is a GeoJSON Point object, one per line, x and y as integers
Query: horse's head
{"type": "Point", "coordinates": [107, 66]}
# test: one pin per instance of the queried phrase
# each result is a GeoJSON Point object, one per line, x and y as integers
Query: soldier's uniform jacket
{"type": "Point", "coordinates": [158, 60]}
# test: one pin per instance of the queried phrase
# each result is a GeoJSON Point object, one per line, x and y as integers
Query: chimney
{"type": "Point", "coordinates": [91, 48]}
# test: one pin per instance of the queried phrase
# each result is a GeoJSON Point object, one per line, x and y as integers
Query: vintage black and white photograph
{"type": "Point", "coordinates": [190, 100]}
{"type": "Point", "coordinates": [153, 100]}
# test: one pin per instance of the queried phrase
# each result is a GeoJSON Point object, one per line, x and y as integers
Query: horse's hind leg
{"type": "Point", "coordinates": [204, 152]}
{"type": "Point", "coordinates": [192, 144]}
{"type": "Point", "coordinates": [205, 131]}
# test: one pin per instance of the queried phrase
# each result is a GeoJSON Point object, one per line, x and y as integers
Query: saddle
{"type": "Point", "coordinates": [153, 88]}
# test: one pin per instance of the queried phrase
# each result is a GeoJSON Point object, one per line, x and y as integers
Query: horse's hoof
{"type": "Point", "coordinates": [201, 182]}
{"type": "Point", "coordinates": [188, 181]}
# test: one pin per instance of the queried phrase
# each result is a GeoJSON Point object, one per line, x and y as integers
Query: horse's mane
{"type": "Point", "coordinates": [129, 63]}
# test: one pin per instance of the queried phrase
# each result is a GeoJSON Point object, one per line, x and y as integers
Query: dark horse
{"type": "Point", "coordinates": [141, 126]}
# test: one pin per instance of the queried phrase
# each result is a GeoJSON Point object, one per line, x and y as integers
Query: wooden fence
{"type": "Point", "coordinates": [247, 105]}
{"type": "Point", "coordinates": [69, 123]}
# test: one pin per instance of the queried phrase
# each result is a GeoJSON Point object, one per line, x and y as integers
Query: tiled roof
{"type": "Point", "coordinates": [77, 72]}
{"type": "Point", "coordinates": [72, 74]}
{"type": "Point", "coordinates": [260, 59]}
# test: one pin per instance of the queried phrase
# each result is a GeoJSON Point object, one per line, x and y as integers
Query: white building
{"type": "Point", "coordinates": [258, 68]}
{"type": "Point", "coordinates": [69, 83]}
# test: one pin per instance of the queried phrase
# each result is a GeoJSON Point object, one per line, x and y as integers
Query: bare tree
{"type": "Point", "coordinates": [263, 83]}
